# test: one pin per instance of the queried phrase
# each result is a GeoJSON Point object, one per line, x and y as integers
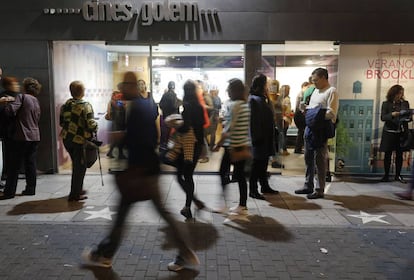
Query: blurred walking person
{"type": "Point", "coordinates": [141, 140]}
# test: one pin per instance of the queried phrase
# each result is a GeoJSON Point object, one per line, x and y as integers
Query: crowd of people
{"type": "Point", "coordinates": [253, 130]}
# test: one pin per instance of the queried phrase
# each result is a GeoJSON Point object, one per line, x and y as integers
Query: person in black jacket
{"type": "Point", "coordinates": [395, 114]}
{"type": "Point", "coordinates": [10, 90]}
{"type": "Point", "coordinates": [262, 135]}
{"type": "Point", "coordinates": [169, 104]}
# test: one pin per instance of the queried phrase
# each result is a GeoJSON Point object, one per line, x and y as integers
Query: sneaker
{"type": "Point", "coordinates": [191, 262]}
{"type": "Point", "coordinates": [239, 210]}
{"type": "Point", "coordinates": [94, 259]}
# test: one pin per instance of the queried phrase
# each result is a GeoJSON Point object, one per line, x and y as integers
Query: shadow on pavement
{"type": "Point", "coordinates": [264, 228]}
{"type": "Point", "coordinates": [291, 202]}
{"type": "Point", "coordinates": [52, 205]}
{"type": "Point", "coordinates": [101, 273]}
{"type": "Point", "coordinates": [364, 202]}
{"type": "Point", "coordinates": [201, 236]}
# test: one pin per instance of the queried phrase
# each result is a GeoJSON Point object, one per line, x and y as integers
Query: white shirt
{"type": "Point", "coordinates": [329, 100]}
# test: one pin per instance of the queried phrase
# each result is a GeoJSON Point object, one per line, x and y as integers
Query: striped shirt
{"type": "Point", "coordinates": [239, 114]}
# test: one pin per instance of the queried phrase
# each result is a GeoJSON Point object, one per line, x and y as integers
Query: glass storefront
{"type": "Point", "coordinates": [101, 65]}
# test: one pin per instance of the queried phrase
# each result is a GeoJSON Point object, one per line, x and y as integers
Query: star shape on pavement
{"type": "Point", "coordinates": [367, 218]}
{"type": "Point", "coordinates": [104, 213]}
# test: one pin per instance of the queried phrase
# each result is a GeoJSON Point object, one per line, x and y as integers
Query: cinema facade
{"type": "Point", "coordinates": [365, 45]}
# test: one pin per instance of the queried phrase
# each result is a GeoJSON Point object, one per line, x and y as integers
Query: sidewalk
{"type": "Point", "coordinates": [359, 231]}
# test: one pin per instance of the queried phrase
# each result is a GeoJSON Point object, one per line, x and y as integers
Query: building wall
{"type": "Point", "coordinates": [26, 33]}
{"type": "Point", "coordinates": [242, 20]}
{"type": "Point", "coordinates": [31, 59]}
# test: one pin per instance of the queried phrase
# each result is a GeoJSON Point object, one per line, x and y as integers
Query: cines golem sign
{"type": "Point", "coordinates": [150, 12]}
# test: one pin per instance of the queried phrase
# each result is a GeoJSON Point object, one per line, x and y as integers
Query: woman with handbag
{"type": "Point", "coordinates": [262, 135]}
{"type": "Point", "coordinates": [395, 114]}
{"type": "Point", "coordinates": [78, 125]}
{"type": "Point", "coordinates": [236, 142]}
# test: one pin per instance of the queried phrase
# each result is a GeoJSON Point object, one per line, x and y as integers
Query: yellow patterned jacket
{"type": "Point", "coordinates": [77, 121]}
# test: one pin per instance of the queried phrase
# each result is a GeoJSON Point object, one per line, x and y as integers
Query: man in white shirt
{"type": "Point", "coordinates": [316, 158]}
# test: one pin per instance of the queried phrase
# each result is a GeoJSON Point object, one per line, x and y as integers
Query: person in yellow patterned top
{"type": "Point", "coordinates": [78, 123]}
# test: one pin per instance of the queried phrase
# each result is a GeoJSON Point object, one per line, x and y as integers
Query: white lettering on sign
{"type": "Point", "coordinates": [97, 11]}
{"type": "Point", "coordinates": [150, 12]}
{"type": "Point", "coordinates": [165, 11]}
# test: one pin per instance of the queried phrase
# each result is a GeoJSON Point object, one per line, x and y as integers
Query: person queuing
{"type": "Point", "coordinates": [235, 134]}
{"type": "Point", "coordinates": [299, 118]}
{"type": "Point", "coordinates": [141, 140]}
{"type": "Point", "coordinates": [116, 112]}
{"type": "Point", "coordinates": [324, 102]}
{"type": "Point", "coordinates": [9, 89]}
{"type": "Point", "coordinates": [169, 104]}
{"type": "Point", "coordinates": [394, 111]}
{"type": "Point", "coordinates": [78, 124]}
{"type": "Point", "coordinates": [262, 135]}
{"type": "Point", "coordinates": [23, 136]}
{"type": "Point", "coordinates": [215, 116]}
{"type": "Point", "coordinates": [287, 116]}
{"type": "Point", "coordinates": [194, 119]}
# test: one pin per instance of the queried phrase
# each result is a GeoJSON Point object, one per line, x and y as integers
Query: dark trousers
{"type": "Point", "coordinates": [6, 158]}
{"type": "Point", "coordinates": [108, 246]}
{"type": "Point", "coordinates": [21, 151]}
{"type": "Point", "coordinates": [398, 162]}
{"type": "Point", "coordinates": [299, 139]}
{"type": "Point", "coordinates": [258, 173]}
{"type": "Point", "coordinates": [185, 171]}
{"type": "Point", "coordinates": [78, 168]}
{"type": "Point", "coordinates": [238, 174]}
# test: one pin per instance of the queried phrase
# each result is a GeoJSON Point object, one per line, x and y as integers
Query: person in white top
{"type": "Point", "coordinates": [325, 96]}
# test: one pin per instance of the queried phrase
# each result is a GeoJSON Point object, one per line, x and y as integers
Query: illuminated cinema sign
{"type": "Point", "coordinates": [150, 11]}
